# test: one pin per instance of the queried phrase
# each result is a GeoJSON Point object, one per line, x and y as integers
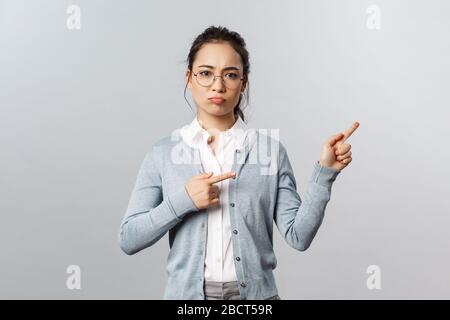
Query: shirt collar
{"type": "Point", "coordinates": [194, 133]}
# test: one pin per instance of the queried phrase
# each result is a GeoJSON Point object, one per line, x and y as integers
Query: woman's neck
{"type": "Point", "coordinates": [221, 123]}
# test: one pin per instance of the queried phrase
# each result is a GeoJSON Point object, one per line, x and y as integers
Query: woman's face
{"type": "Point", "coordinates": [218, 59]}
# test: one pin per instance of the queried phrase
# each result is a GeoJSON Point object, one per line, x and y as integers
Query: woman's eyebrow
{"type": "Point", "coordinates": [226, 68]}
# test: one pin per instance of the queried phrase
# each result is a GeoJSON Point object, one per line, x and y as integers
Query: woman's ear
{"type": "Point", "coordinates": [188, 79]}
{"type": "Point", "coordinates": [244, 84]}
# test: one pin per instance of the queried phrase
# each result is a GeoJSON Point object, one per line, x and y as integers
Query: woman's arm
{"type": "Point", "coordinates": [148, 217]}
{"type": "Point", "coordinates": [297, 220]}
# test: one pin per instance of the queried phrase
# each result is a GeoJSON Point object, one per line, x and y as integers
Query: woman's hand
{"type": "Point", "coordinates": [335, 153]}
{"type": "Point", "coordinates": [202, 190]}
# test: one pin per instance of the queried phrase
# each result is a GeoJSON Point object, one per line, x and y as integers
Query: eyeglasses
{"type": "Point", "coordinates": [206, 78]}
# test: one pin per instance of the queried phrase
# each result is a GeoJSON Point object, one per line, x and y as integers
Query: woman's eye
{"type": "Point", "coordinates": [204, 73]}
{"type": "Point", "coordinates": [232, 75]}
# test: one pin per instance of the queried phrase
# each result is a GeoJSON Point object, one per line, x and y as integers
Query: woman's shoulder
{"type": "Point", "coordinates": [164, 144]}
{"type": "Point", "coordinates": [270, 139]}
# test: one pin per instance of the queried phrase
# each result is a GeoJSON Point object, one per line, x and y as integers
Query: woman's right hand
{"type": "Point", "coordinates": [202, 190]}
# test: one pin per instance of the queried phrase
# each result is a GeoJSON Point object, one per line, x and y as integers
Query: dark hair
{"type": "Point", "coordinates": [218, 34]}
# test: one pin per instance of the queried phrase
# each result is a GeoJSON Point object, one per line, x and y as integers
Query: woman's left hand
{"type": "Point", "coordinates": [336, 153]}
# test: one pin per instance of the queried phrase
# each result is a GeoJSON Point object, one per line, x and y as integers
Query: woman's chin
{"type": "Point", "coordinates": [217, 110]}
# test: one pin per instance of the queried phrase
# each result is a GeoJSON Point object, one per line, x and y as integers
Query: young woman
{"type": "Point", "coordinates": [205, 186]}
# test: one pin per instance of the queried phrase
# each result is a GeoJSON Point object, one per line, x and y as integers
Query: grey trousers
{"type": "Point", "coordinates": [216, 290]}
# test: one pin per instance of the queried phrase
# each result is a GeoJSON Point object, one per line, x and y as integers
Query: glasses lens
{"type": "Point", "coordinates": [232, 80]}
{"type": "Point", "coordinates": [205, 78]}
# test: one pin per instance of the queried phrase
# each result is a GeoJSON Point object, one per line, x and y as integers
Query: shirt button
{"type": "Point", "coordinates": [237, 150]}
{"type": "Point", "coordinates": [235, 231]}
{"type": "Point", "coordinates": [232, 204]}
{"type": "Point", "coordinates": [243, 285]}
{"type": "Point", "coordinates": [238, 259]}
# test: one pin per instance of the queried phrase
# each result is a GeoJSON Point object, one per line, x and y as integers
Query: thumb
{"type": "Point", "coordinates": [205, 174]}
{"type": "Point", "coordinates": [332, 141]}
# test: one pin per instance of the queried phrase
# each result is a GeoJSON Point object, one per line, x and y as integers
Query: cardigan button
{"type": "Point", "coordinates": [237, 150]}
{"type": "Point", "coordinates": [238, 259]}
{"type": "Point", "coordinates": [232, 204]}
{"type": "Point", "coordinates": [243, 285]}
{"type": "Point", "coordinates": [235, 231]}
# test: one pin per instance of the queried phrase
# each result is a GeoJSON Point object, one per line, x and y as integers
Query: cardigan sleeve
{"type": "Point", "coordinates": [148, 217]}
{"type": "Point", "coordinates": [299, 219]}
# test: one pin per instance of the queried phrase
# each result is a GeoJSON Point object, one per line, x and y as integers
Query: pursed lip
{"type": "Point", "coordinates": [217, 99]}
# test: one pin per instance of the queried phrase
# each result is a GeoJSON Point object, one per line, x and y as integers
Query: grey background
{"type": "Point", "coordinates": [79, 109]}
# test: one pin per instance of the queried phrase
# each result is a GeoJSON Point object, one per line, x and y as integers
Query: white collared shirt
{"type": "Point", "coordinates": [219, 258]}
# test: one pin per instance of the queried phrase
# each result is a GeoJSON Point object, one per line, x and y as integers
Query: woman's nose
{"type": "Point", "coordinates": [218, 84]}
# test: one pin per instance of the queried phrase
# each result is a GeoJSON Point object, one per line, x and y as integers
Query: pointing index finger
{"type": "Point", "coordinates": [349, 131]}
{"type": "Point", "coordinates": [221, 177]}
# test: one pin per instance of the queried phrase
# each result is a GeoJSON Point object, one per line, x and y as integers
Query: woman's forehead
{"type": "Point", "coordinates": [218, 55]}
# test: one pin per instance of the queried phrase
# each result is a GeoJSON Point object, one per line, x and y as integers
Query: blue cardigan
{"type": "Point", "coordinates": [263, 191]}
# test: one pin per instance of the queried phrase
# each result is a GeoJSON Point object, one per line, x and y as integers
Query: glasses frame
{"type": "Point", "coordinates": [214, 79]}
